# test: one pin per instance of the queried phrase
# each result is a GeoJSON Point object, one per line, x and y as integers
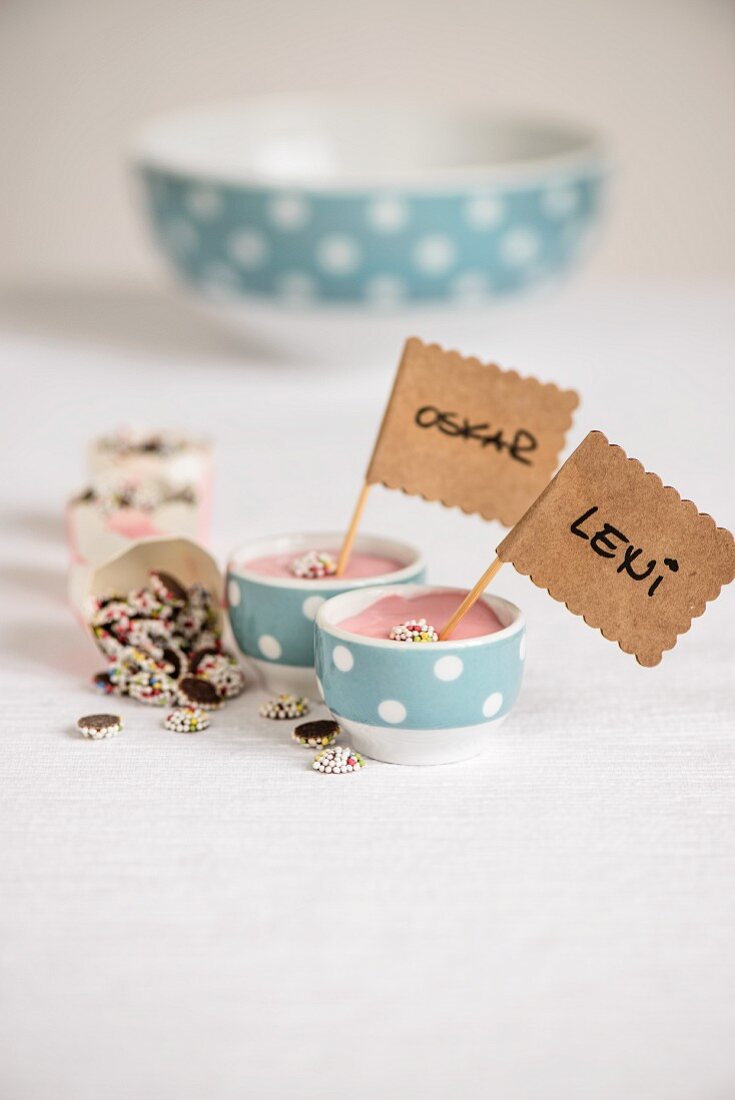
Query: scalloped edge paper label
{"type": "Point", "coordinates": [621, 549]}
{"type": "Point", "coordinates": [469, 434]}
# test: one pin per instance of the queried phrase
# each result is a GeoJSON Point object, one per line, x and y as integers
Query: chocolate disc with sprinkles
{"type": "Point", "coordinates": [220, 670]}
{"type": "Point", "coordinates": [97, 726]}
{"type": "Point", "coordinates": [174, 662]}
{"type": "Point", "coordinates": [338, 761]}
{"type": "Point", "coordinates": [317, 734]}
{"type": "Point", "coordinates": [285, 706]}
{"type": "Point", "coordinates": [154, 688]}
{"type": "Point", "coordinates": [194, 691]}
{"type": "Point", "coordinates": [199, 654]}
{"type": "Point", "coordinates": [187, 720]}
{"type": "Point", "coordinates": [104, 683]}
{"type": "Point", "coordinates": [167, 588]}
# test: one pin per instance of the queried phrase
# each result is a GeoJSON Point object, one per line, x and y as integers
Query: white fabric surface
{"type": "Point", "coordinates": [204, 917]}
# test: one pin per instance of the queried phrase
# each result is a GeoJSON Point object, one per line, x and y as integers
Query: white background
{"type": "Point", "coordinates": [204, 917]}
{"type": "Point", "coordinates": [77, 78]}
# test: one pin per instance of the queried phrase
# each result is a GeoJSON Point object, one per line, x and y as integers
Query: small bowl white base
{"type": "Point", "coordinates": [419, 747]}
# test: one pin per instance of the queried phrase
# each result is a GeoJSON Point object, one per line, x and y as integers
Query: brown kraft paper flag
{"type": "Point", "coordinates": [622, 550]}
{"type": "Point", "coordinates": [469, 434]}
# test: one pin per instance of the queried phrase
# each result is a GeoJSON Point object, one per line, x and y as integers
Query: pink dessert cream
{"type": "Point", "coordinates": [436, 608]}
{"type": "Point", "coordinates": [359, 566]}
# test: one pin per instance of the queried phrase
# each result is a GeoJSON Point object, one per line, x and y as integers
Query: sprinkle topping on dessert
{"type": "Point", "coordinates": [314, 565]}
{"type": "Point", "coordinates": [414, 630]}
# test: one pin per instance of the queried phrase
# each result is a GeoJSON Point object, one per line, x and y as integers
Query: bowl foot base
{"type": "Point", "coordinates": [418, 747]}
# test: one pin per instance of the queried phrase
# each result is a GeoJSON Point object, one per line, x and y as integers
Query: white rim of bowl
{"type": "Point", "coordinates": [518, 623]}
{"type": "Point", "coordinates": [592, 154]}
{"type": "Point", "coordinates": [318, 539]}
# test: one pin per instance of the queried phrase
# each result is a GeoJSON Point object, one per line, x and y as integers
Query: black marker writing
{"type": "Point", "coordinates": [522, 444]}
{"type": "Point", "coordinates": [602, 543]}
{"type": "Point", "coordinates": [602, 538]}
{"type": "Point", "coordinates": [630, 555]}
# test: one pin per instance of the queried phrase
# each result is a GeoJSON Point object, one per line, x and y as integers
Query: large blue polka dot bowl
{"type": "Point", "coordinates": [297, 209]}
{"type": "Point", "coordinates": [272, 617]}
{"type": "Point", "coordinates": [418, 703]}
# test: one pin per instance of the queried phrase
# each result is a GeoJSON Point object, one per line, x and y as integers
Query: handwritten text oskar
{"type": "Point", "coordinates": [519, 447]}
{"type": "Point", "coordinates": [469, 434]}
{"type": "Point", "coordinates": [621, 549]}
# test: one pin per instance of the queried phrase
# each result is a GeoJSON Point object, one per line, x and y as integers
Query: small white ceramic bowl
{"type": "Point", "coordinates": [273, 617]}
{"type": "Point", "coordinates": [426, 703]}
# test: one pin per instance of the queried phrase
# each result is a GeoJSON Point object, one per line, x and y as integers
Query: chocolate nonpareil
{"type": "Point", "coordinates": [163, 644]}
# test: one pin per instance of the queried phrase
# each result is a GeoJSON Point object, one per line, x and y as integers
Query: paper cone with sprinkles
{"type": "Point", "coordinates": [467, 434]}
{"type": "Point", "coordinates": [619, 548]}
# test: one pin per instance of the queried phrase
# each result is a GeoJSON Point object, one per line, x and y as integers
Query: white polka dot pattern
{"type": "Point", "coordinates": [392, 711]}
{"type": "Point", "coordinates": [311, 605]}
{"type": "Point", "coordinates": [289, 212]}
{"type": "Point", "coordinates": [492, 704]}
{"type": "Point", "coordinates": [433, 255]}
{"type": "Point", "coordinates": [338, 254]}
{"type": "Point", "coordinates": [455, 686]}
{"type": "Point", "coordinates": [448, 668]}
{"type": "Point", "coordinates": [484, 212]}
{"type": "Point", "coordinates": [519, 246]}
{"type": "Point", "coordinates": [204, 203]}
{"type": "Point", "coordinates": [376, 250]}
{"type": "Point", "coordinates": [269, 646]}
{"type": "Point", "coordinates": [387, 215]}
{"type": "Point", "coordinates": [342, 657]}
{"type": "Point", "coordinates": [249, 248]}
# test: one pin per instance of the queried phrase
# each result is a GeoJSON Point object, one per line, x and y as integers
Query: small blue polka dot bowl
{"type": "Point", "coordinates": [425, 703]}
{"type": "Point", "coordinates": [295, 209]}
{"type": "Point", "coordinates": [272, 617]}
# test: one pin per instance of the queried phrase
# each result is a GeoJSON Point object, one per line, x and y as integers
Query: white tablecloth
{"type": "Point", "coordinates": [207, 919]}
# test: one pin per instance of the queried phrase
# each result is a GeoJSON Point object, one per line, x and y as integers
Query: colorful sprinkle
{"type": "Point", "coordinates": [222, 671]}
{"type": "Point", "coordinates": [167, 588]}
{"type": "Point", "coordinates": [338, 761]}
{"type": "Point", "coordinates": [155, 640]}
{"type": "Point", "coordinates": [314, 565]}
{"type": "Point", "coordinates": [103, 682]}
{"type": "Point", "coordinates": [154, 688]}
{"type": "Point", "coordinates": [285, 706]}
{"type": "Point", "coordinates": [414, 630]}
{"type": "Point", "coordinates": [187, 720]}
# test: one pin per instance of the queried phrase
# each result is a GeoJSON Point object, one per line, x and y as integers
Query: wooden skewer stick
{"type": "Point", "coordinates": [349, 540]}
{"type": "Point", "coordinates": [470, 600]}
